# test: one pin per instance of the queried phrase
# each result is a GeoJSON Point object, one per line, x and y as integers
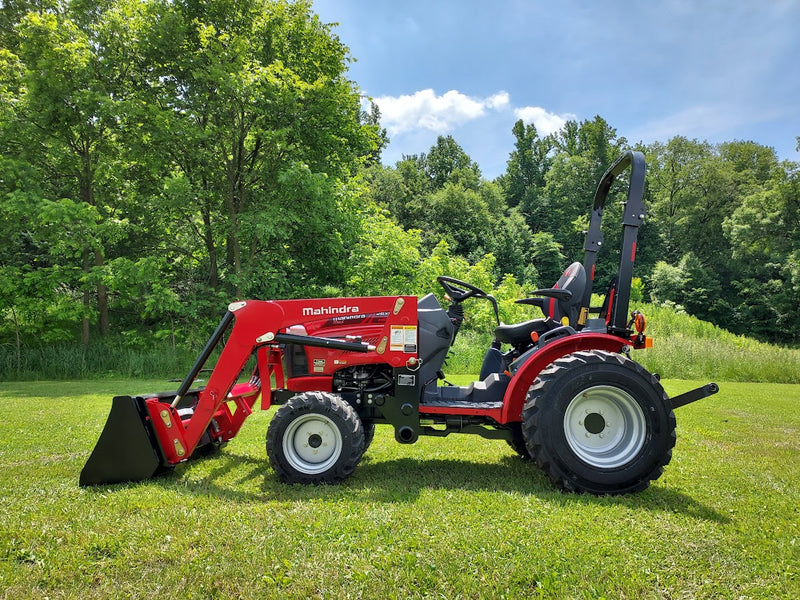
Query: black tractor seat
{"type": "Point", "coordinates": [561, 301]}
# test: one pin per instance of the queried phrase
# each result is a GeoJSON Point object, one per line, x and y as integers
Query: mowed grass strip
{"type": "Point", "coordinates": [458, 517]}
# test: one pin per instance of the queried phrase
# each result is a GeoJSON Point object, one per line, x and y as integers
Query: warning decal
{"type": "Point", "coordinates": [404, 339]}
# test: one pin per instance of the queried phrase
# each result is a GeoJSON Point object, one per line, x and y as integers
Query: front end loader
{"type": "Point", "coordinates": [562, 389]}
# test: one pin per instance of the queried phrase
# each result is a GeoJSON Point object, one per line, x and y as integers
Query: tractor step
{"type": "Point", "coordinates": [461, 404]}
{"type": "Point", "coordinates": [478, 395]}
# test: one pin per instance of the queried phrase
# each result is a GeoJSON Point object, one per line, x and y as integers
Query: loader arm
{"type": "Point", "coordinates": [252, 326]}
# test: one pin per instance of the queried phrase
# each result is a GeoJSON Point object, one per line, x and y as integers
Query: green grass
{"type": "Point", "coordinates": [458, 517]}
{"type": "Point", "coordinates": [687, 348]}
{"type": "Point", "coordinates": [106, 358]}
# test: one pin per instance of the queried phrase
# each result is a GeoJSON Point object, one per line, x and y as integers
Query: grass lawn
{"type": "Point", "coordinates": [458, 517]}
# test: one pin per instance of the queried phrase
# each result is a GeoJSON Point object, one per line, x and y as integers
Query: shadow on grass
{"type": "Point", "coordinates": [232, 477]}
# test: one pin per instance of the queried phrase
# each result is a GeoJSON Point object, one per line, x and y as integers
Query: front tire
{"type": "Point", "coordinates": [316, 438]}
{"type": "Point", "coordinates": [598, 422]}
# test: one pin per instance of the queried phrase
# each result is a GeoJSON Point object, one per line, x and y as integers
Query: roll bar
{"type": "Point", "coordinates": [633, 215]}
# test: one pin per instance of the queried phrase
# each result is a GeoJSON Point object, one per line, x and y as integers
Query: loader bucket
{"type": "Point", "coordinates": [127, 449]}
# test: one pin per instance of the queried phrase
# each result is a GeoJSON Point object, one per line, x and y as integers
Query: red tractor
{"type": "Point", "coordinates": [561, 390]}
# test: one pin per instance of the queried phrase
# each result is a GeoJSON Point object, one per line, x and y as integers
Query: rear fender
{"type": "Point", "coordinates": [525, 375]}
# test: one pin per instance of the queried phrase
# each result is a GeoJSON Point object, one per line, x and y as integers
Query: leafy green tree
{"type": "Point", "coordinates": [250, 102]}
{"type": "Point", "coordinates": [524, 179]}
{"type": "Point", "coordinates": [384, 260]}
{"type": "Point", "coordinates": [400, 190]}
{"type": "Point", "coordinates": [512, 246]}
{"type": "Point", "coordinates": [548, 257]}
{"type": "Point", "coordinates": [169, 145]}
{"type": "Point", "coordinates": [667, 283]}
{"type": "Point", "coordinates": [594, 140]}
{"type": "Point", "coordinates": [675, 180]}
{"type": "Point", "coordinates": [441, 193]}
{"type": "Point", "coordinates": [461, 216]}
{"type": "Point", "coordinates": [691, 190]}
{"type": "Point", "coordinates": [764, 233]}
{"type": "Point", "coordinates": [567, 197]}
{"type": "Point", "coordinates": [64, 122]}
{"type": "Point", "coordinates": [373, 119]}
{"type": "Point", "coordinates": [701, 288]}
{"type": "Point", "coordinates": [446, 162]}
{"type": "Point", "coordinates": [553, 180]}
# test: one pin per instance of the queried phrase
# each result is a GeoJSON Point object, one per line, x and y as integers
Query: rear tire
{"type": "Point", "coordinates": [316, 438]}
{"type": "Point", "coordinates": [598, 422]}
{"type": "Point", "coordinates": [517, 441]}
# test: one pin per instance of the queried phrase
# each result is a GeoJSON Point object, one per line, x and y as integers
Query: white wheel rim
{"type": "Point", "coordinates": [605, 427]}
{"type": "Point", "coordinates": [312, 444]}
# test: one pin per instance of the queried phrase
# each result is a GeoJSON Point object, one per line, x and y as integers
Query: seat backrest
{"type": "Point", "coordinates": [574, 280]}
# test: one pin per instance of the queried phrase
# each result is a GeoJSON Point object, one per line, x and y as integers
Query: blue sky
{"type": "Point", "coordinates": [710, 70]}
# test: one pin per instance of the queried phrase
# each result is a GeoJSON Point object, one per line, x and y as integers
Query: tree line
{"type": "Point", "coordinates": [721, 241]}
{"type": "Point", "coordinates": [162, 158]}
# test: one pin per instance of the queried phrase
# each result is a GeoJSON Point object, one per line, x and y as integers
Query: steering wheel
{"type": "Point", "coordinates": [460, 290]}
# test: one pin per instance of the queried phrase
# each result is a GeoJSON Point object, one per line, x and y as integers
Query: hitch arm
{"type": "Point", "coordinates": [693, 395]}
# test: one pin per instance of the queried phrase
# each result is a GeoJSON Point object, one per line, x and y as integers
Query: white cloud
{"type": "Point", "coordinates": [545, 122]}
{"type": "Point", "coordinates": [425, 110]}
{"type": "Point", "coordinates": [499, 101]}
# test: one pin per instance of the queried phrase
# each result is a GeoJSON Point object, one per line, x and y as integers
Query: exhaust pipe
{"type": "Point", "coordinates": [127, 450]}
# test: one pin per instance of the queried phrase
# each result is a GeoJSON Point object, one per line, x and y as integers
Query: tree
{"type": "Point", "coordinates": [667, 283]}
{"type": "Point", "coordinates": [446, 162]}
{"type": "Point", "coordinates": [182, 143]}
{"type": "Point", "coordinates": [384, 260]}
{"type": "Point", "coordinates": [64, 124]}
{"type": "Point", "coordinates": [527, 166]}
{"type": "Point", "coordinates": [461, 216]}
{"type": "Point", "coordinates": [691, 189]}
{"type": "Point", "coordinates": [595, 140]}
{"type": "Point", "coordinates": [373, 119]}
{"type": "Point", "coordinates": [250, 102]}
{"type": "Point", "coordinates": [401, 190]}
{"type": "Point", "coordinates": [675, 172]}
{"type": "Point", "coordinates": [512, 245]}
{"type": "Point", "coordinates": [567, 197]}
{"type": "Point", "coordinates": [548, 257]}
{"type": "Point", "coordinates": [763, 232]}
